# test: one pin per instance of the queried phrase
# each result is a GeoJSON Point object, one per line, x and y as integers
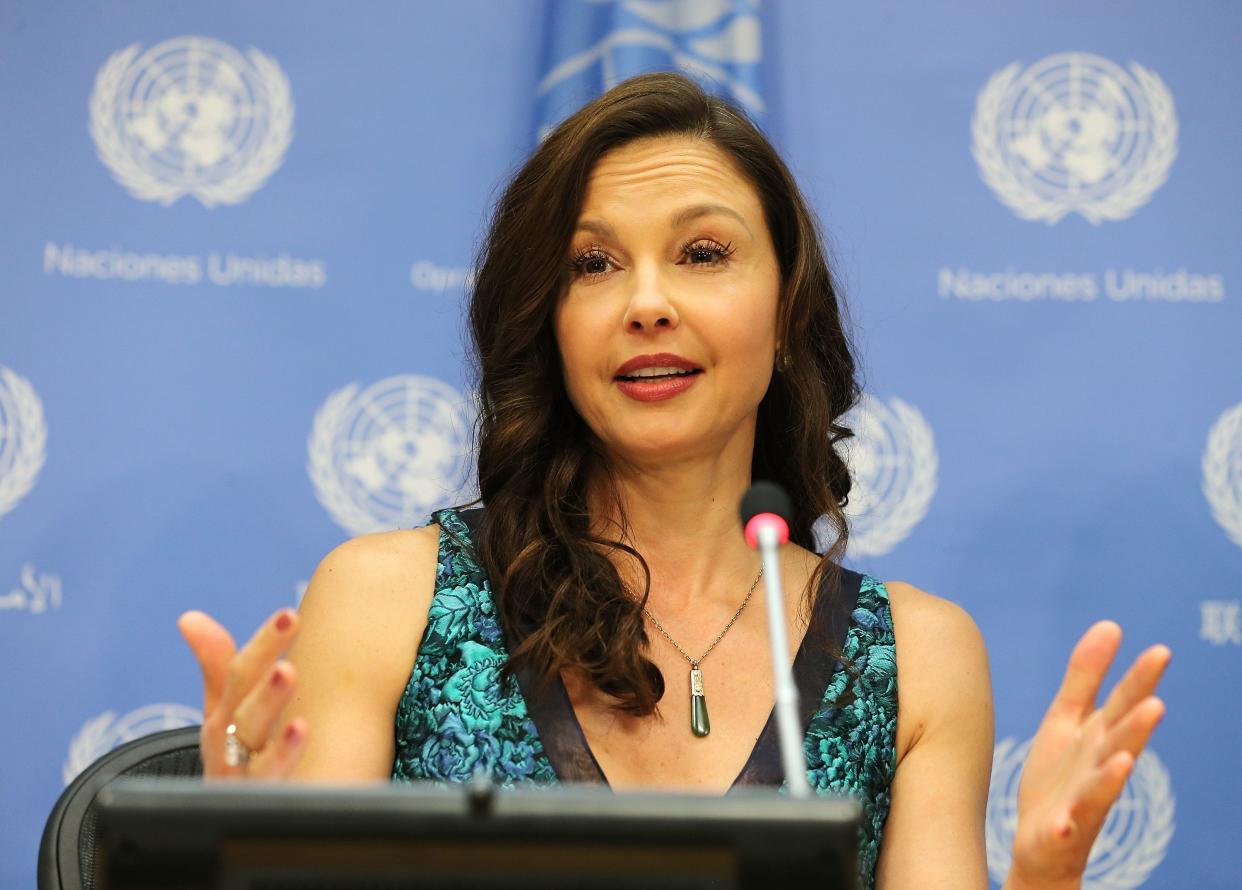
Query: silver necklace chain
{"type": "Point", "coordinates": [695, 662]}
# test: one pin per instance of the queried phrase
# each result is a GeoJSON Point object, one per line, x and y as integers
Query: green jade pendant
{"type": "Point", "coordinates": [699, 724]}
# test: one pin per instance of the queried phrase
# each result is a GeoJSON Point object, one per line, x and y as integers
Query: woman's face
{"type": "Point", "coordinates": [671, 257]}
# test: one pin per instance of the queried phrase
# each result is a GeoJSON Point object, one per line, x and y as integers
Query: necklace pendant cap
{"type": "Point", "coordinates": [700, 725]}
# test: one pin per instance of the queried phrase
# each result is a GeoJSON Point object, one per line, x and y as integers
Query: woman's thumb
{"type": "Point", "coordinates": [214, 648]}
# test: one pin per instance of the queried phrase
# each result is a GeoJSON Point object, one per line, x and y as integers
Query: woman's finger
{"type": "Point", "coordinates": [211, 742]}
{"type": "Point", "coordinates": [256, 716]}
{"type": "Point", "coordinates": [1139, 682]}
{"type": "Point", "coordinates": [282, 753]}
{"type": "Point", "coordinates": [1095, 795]}
{"type": "Point", "coordinates": [1134, 729]}
{"type": "Point", "coordinates": [213, 647]}
{"type": "Point", "coordinates": [1088, 664]}
{"type": "Point", "coordinates": [256, 657]}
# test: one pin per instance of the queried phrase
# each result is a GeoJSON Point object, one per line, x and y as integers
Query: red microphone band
{"type": "Point", "coordinates": [770, 520]}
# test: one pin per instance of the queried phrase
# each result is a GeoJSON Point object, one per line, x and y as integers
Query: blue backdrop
{"type": "Point", "coordinates": [236, 238]}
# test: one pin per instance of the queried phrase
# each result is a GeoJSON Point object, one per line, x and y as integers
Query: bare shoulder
{"type": "Point", "coordinates": [924, 619]}
{"type": "Point", "coordinates": [942, 663]}
{"type": "Point", "coordinates": [383, 561]}
{"type": "Point", "coordinates": [368, 602]}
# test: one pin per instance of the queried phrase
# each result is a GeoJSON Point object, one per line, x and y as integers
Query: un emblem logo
{"type": "Point", "coordinates": [893, 464]}
{"type": "Point", "coordinates": [387, 455]}
{"type": "Point", "coordinates": [1074, 133]}
{"type": "Point", "coordinates": [191, 116]}
{"type": "Point", "coordinates": [23, 438]}
{"type": "Point", "coordinates": [101, 734]}
{"type": "Point", "coordinates": [1222, 472]}
{"type": "Point", "coordinates": [1132, 842]}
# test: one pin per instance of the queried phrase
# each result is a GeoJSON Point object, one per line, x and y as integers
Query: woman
{"type": "Point", "coordinates": [655, 326]}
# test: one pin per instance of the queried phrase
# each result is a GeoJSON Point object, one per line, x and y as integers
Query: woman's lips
{"type": "Point", "coordinates": [656, 389]}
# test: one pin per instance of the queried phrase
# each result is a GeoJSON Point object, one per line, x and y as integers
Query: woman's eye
{"type": "Point", "coordinates": [707, 253]}
{"type": "Point", "coordinates": [592, 264]}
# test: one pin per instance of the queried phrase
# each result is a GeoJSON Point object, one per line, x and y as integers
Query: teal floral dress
{"type": "Point", "coordinates": [460, 714]}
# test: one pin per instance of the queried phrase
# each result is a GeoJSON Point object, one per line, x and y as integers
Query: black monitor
{"type": "Point", "coordinates": [174, 834]}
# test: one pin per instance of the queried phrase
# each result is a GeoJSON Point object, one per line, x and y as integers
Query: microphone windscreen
{"type": "Point", "coordinates": [766, 497]}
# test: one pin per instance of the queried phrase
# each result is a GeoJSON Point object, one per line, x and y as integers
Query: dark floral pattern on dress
{"type": "Point", "coordinates": [852, 749]}
{"type": "Point", "coordinates": [458, 716]}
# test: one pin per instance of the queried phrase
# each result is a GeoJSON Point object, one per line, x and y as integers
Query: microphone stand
{"type": "Point", "coordinates": [786, 693]}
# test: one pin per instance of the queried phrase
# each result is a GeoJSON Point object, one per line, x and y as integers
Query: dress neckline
{"type": "Point", "coordinates": [565, 743]}
{"type": "Point", "coordinates": [762, 765]}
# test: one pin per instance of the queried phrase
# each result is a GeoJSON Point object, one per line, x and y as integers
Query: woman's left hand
{"type": "Point", "coordinates": [1081, 758]}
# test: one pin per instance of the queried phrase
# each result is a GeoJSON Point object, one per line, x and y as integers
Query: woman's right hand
{"type": "Point", "coordinates": [247, 689]}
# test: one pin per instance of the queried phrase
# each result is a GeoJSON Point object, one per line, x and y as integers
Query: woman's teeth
{"type": "Point", "coordinates": [649, 373]}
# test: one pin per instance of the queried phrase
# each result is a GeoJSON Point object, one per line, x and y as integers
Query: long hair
{"type": "Point", "coordinates": [561, 599]}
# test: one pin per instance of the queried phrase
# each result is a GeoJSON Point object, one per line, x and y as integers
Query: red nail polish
{"type": "Point", "coordinates": [278, 679]}
{"type": "Point", "coordinates": [291, 733]}
{"type": "Point", "coordinates": [283, 620]}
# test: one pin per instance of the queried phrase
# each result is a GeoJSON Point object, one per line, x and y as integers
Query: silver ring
{"type": "Point", "coordinates": [235, 751]}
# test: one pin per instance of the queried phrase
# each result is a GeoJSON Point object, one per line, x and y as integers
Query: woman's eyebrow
{"type": "Point", "coordinates": [597, 227]}
{"type": "Point", "coordinates": [680, 218]}
{"type": "Point", "coordinates": [688, 214]}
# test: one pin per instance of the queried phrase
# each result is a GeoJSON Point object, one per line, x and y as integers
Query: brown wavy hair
{"type": "Point", "coordinates": [561, 599]}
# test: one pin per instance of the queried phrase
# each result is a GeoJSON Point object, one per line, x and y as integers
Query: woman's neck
{"type": "Point", "coordinates": [683, 519]}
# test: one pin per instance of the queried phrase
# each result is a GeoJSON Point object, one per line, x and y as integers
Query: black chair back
{"type": "Point", "coordinates": [67, 850]}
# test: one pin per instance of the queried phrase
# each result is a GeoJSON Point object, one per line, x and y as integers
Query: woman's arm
{"type": "Point", "coordinates": [326, 711]}
{"type": "Point", "coordinates": [362, 618]}
{"type": "Point", "coordinates": [933, 837]}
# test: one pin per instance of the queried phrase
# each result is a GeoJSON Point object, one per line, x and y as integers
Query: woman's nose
{"type": "Point", "coordinates": [650, 305]}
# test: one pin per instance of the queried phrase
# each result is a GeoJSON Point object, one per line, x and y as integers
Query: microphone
{"type": "Point", "coordinates": [766, 514]}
